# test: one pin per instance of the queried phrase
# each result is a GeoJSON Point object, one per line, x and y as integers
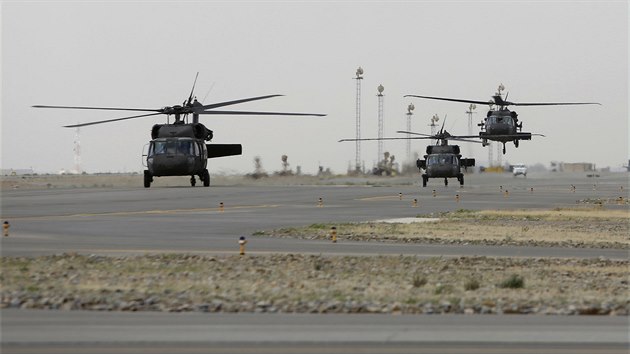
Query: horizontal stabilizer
{"type": "Point", "coordinates": [467, 162]}
{"type": "Point", "coordinates": [220, 150]}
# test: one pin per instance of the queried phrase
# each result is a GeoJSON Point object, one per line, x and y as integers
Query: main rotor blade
{"type": "Point", "coordinates": [102, 108]}
{"type": "Point", "coordinates": [262, 113]}
{"type": "Point", "coordinates": [448, 99]}
{"type": "Point", "coordinates": [406, 132]}
{"type": "Point", "coordinates": [507, 136]}
{"type": "Point", "coordinates": [109, 120]}
{"type": "Point", "coordinates": [466, 140]}
{"type": "Point", "coordinates": [552, 103]}
{"type": "Point", "coordinates": [439, 137]}
{"type": "Point", "coordinates": [228, 103]}
{"type": "Point", "coordinates": [372, 139]}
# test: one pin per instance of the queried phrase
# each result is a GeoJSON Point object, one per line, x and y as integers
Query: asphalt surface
{"type": "Point", "coordinates": [115, 221]}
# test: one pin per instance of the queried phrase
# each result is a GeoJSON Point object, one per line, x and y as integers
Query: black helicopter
{"type": "Point", "coordinates": [442, 160]}
{"type": "Point", "coordinates": [179, 149]}
{"type": "Point", "coordinates": [500, 123]}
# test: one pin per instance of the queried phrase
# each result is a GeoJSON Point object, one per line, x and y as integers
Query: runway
{"type": "Point", "coordinates": [116, 221]}
{"type": "Point", "coordinates": [185, 219]}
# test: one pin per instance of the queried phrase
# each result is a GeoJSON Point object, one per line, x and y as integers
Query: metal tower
{"type": "Point", "coordinates": [77, 151]}
{"type": "Point", "coordinates": [359, 77]}
{"type": "Point", "coordinates": [410, 108]}
{"type": "Point", "coordinates": [490, 164]}
{"type": "Point", "coordinates": [434, 120]}
{"type": "Point", "coordinates": [470, 112]}
{"type": "Point", "coordinates": [499, 154]}
{"type": "Point", "coordinates": [380, 89]}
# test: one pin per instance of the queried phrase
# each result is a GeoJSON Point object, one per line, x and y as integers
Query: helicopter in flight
{"type": "Point", "coordinates": [442, 160]}
{"type": "Point", "coordinates": [179, 148]}
{"type": "Point", "coordinates": [501, 124]}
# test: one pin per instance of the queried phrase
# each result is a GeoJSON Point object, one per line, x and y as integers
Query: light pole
{"type": "Point", "coordinates": [380, 89]}
{"type": "Point", "coordinates": [359, 77]}
{"type": "Point", "coordinates": [410, 108]}
{"type": "Point", "coordinates": [434, 120]}
{"type": "Point", "coordinates": [470, 112]}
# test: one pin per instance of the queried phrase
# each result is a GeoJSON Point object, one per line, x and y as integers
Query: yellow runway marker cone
{"type": "Point", "coordinates": [5, 228]}
{"type": "Point", "coordinates": [241, 245]}
{"type": "Point", "coordinates": [333, 234]}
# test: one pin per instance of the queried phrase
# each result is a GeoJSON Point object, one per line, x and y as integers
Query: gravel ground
{"type": "Point", "coordinates": [317, 284]}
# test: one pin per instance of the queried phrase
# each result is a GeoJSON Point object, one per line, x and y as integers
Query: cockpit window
{"type": "Point", "coordinates": [174, 147]}
{"type": "Point", "coordinates": [501, 119]}
{"type": "Point", "coordinates": [441, 160]}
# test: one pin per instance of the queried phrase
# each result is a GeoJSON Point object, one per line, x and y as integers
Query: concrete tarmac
{"type": "Point", "coordinates": [121, 221]}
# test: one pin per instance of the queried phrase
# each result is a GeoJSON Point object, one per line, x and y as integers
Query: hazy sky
{"type": "Point", "coordinates": [145, 54]}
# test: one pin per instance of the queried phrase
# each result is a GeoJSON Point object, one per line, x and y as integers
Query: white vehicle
{"type": "Point", "coordinates": [519, 169]}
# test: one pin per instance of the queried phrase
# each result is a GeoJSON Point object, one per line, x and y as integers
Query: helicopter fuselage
{"type": "Point", "coordinates": [502, 126]}
{"type": "Point", "coordinates": [443, 161]}
{"type": "Point", "coordinates": [177, 157]}
{"type": "Point", "coordinates": [180, 150]}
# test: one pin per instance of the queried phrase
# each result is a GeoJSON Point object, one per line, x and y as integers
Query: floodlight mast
{"type": "Point", "coordinates": [359, 77]}
{"type": "Point", "coordinates": [380, 89]}
{"type": "Point", "coordinates": [470, 112]}
{"type": "Point", "coordinates": [410, 108]}
{"type": "Point", "coordinates": [433, 124]}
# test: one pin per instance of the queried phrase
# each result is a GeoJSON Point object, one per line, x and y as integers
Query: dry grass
{"type": "Point", "coordinates": [560, 227]}
{"type": "Point", "coordinates": [291, 281]}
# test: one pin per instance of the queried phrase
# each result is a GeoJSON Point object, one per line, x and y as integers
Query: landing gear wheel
{"type": "Point", "coordinates": [460, 178]}
{"type": "Point", "coordinates": [445, 181]}
{"type": "Point", "coordinates": [515, 143]}
{"type": "Point", "coordinates": [205, 177]}
{"type": "Point", "coordinates": [193, 181]}
{"type": "Point", "coordinates": [424, 180]}
{"type": "Point", "coordinates": [147, 179]}
{"type": "Point", "coordinates": [503, 148]}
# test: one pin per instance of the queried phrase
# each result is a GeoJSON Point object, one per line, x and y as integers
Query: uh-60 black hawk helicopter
{"type": "Point", "coordinates": [500, 123]}
{"type": "Point", "coordinates": [179, 149]}
{"type": "Point", "coordinates": [442, 160]}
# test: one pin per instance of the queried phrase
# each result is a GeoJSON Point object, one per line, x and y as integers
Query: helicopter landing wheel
{"type": "Point", "coordinates": [515, 143]}
{"type": "Point", "coordinates": [147, 179]}
{"type": "Point", "coordinates": [192, 181]}
{"type": "Point", "coordinates": [205, 177]}
{"type": "Point", "coordinates": [445, 181]}
{"type": "Point", "coordinates": [424, 180]}
{"type": "Point", "coordinates": [503, 148]}
{"type": "Point", "coordinates": [460, 178]}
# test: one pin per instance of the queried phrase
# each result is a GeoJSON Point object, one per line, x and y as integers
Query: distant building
{"type": "Point", "coordinates": [572, 167]}
{"type": "Point", "coordinates": [18, 172]}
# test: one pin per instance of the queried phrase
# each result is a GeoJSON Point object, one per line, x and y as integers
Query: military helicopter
{"type": "Point", "coordinates": [179, 149]}
{"type": "Point", "coordinates": [442, 160]}
{"type": "Point", "coordinates": [500, 123]}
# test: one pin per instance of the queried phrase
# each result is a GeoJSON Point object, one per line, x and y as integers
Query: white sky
{"type": "Point", "coordinates": [145, 54]}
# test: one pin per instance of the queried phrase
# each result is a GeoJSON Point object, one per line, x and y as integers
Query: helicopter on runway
{"type": "Point", "coordinates": [442, 160]}
{"type": "Point", "coordinates": [500, 123]}
{"type": "Point", "coordinates": [179, 149]}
